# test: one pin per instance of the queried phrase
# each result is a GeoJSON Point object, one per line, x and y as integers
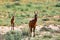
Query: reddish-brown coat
{"type": "Point", "coordinates": [12, 22]}
{"type": "Point", "coordinates": [32, 24]}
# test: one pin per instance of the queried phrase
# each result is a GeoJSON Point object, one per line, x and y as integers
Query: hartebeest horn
{"type": "Point", "coordinates": [35, 12]}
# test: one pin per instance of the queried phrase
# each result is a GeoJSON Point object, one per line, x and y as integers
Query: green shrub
{"type": "Point", "coordinates": [53, 12]}
{"type": "Point", "coordinates": [57, 5]}
{"type": "Point", "coordinates": [28, 5]}
{"type": "Point", "coordinates": [47, 36]}
{"type": "Point", "coordinates": [8, 5]}
{"type": "Point", "coordinates": [22, 10]}
{"type": "Point", "coordinates": [17, 4]}
{"type": "Point", "coordinates": [27, 15]}
{"type": "Point", "coordinates": [25, 31]}
{"type": "Point", "coordinates": [13, 35]}
{"type": "Point", "coordinates": [45, 19]}
{"type": "Point", "coordinates": [16, 0]}
{"type": "Point", "coordinates": [26, 9]}
{"type": "Point", "coordinates": [44, 11]}
{"type": "Point", "coordinates": [38, 7]}
{"type": "Point", "coordinates": [58, 20]}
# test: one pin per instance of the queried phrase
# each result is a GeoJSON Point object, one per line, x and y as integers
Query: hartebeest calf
{"type": "Point", "coordinates": [12, 23]}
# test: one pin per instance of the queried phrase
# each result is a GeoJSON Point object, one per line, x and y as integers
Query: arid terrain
{"type": "Point", "coordinates": [51, 32]}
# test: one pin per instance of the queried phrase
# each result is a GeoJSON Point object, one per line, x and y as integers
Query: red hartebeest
{"type": "Point", "coordinates": [12, 23]}
{"type": "Point", "coordinates": [32, 24]}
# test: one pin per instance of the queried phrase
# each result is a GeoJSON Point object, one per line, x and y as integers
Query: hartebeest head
{"type": "Point", "coordinates": [35, 12]}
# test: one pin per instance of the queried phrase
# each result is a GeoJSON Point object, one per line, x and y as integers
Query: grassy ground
{"type": "Point", "coordinates": [24, 12]}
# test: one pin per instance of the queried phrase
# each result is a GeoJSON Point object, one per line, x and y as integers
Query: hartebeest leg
{"type": "Point", "coordinates": [30, 32]}
{"type": "Point", "coordinates": [34, 32]}
{"type": "Point", "coordinates": [12, 26]}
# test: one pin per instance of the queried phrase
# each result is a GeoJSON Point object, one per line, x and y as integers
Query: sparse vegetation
{"type": "Point", "coordinates": [47, 36]}
{"type": "Point", "coordinates": [25, 32]}
{"type": "Point", "coordinates": [13, 35]}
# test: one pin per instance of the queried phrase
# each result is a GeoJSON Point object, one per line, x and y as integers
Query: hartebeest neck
{"type": "Point", "coordinates": [12, 18]}
{"type": "Point", "coordinates": [36, 18]}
